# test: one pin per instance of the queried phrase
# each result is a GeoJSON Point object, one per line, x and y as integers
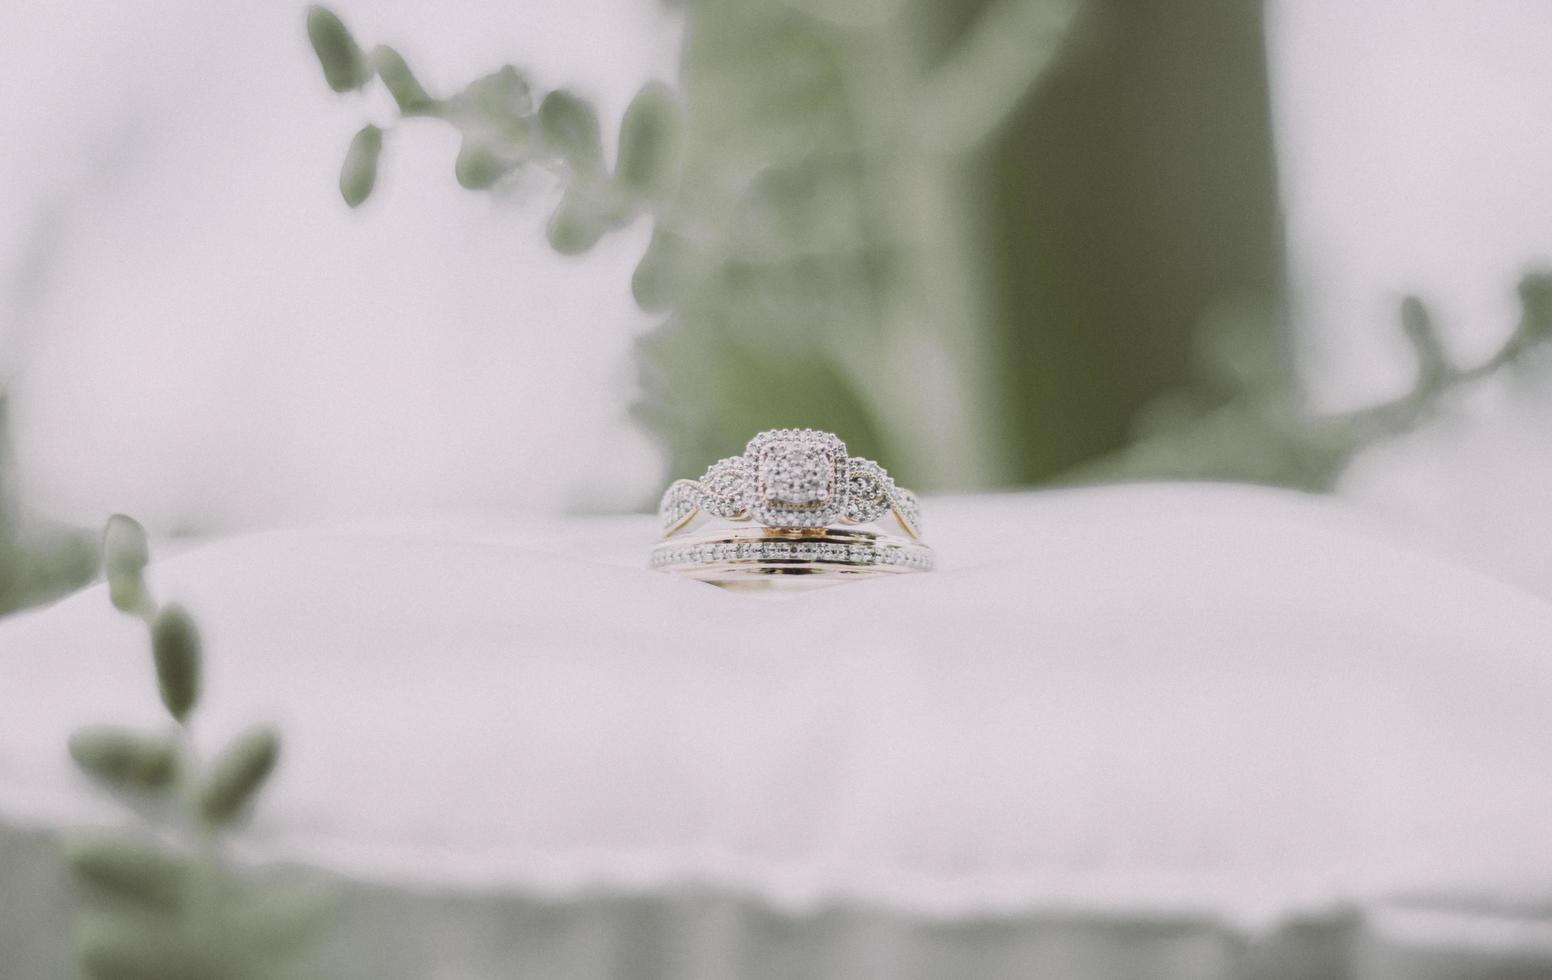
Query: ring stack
{"type": "Point", "coordinates": [816, 511]}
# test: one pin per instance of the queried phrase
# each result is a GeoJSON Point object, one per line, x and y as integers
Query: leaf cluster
{"type": "Point", "coordinates": [162, 901]}
{"type": "Point", "coordinates": [506, 129]}
{"type": "Point", "coordinates": [1262, 431]}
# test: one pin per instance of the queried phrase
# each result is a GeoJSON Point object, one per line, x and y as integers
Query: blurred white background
{"type": "Point", "coordinates": [198, 331]}
{"type": "Point", "coordinates": [1414, 156]}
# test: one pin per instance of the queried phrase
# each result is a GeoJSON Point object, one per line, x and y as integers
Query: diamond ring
{"type": "Point", "coordinates": [810, 499]}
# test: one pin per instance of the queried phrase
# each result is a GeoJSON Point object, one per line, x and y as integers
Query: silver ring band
{"type": "Point", "coordinates": [730, 554]}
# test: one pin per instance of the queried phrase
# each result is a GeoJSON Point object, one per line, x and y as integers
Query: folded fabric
{"type": "Point", "coordinates": [1153, 731]}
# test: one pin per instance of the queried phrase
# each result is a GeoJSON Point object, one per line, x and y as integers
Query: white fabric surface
{"type": "Point", "coordinates": [1234, 702]}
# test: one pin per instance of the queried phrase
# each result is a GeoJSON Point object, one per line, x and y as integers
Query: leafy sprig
{"type": "Point", "coordinates": [1263, 431]}
{"type": "Point", "coordinates": [812, 226]}
{"type": "Point", "coordinates": [797, 207]}
{"type": "Point", "coordinates": [506, 129]}
{"type": "Point", "coordinates": [163, 901]}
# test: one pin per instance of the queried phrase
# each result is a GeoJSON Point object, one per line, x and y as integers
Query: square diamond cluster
{"type": "Point", "coordinates": [797, 478]}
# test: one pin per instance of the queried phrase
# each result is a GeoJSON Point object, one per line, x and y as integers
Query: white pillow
{"type": "Point", "coordinates": [1141, 731]}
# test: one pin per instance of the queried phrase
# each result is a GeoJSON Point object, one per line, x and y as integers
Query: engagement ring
{"type": "Point", "coordinates": [818, 511]}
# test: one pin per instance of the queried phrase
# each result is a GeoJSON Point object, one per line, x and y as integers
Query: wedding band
{"type": "Point", "coordinates": [718, 555]}
{"type": "Point", "coordinates": [810, 500]}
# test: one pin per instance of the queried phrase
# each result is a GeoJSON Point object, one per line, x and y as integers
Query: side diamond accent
{"type": "Point", "coordinates": [868, 489]}
{"type": "Point", "coordinates": [908, 509]}
{"type": "Point", "coordinates": [680, 502]}
{"type": "Point", "coordinates": [725, 487]}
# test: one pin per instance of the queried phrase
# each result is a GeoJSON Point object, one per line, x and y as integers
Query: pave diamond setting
{"type": "Point", "coordinates": [797, 478]}
{"type": "Point", "coordinates": [724, 486]}
{"type": "Point", "coordinates": [868, 489]}
{"type": "Point", "coordinates": [792, 478]}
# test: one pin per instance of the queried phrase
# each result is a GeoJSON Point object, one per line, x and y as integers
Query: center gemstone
{"type": "Point", "coordinates": [796, 478]}
{"type": "Point", "coordinates": [798, 475]}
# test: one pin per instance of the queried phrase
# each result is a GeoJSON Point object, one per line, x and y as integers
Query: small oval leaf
{"type": "Point", "coordinates": [339, 55]}
{"type": "Point", "coordinates": [175, 646]}
{"type": "Point", "coordinates": [651, 134]}
{"type": "Point", "coordinates": [1536, 305]}
{"type": "Point", "coordinates": [130, 870]}
{"type": "Point", "coordinates": [1417, 324]}
{"type": "Point", "coordinates": [358, 174]}
{"type": "Point", "coordinates": [570, 125]}
{"type": "Point", "coordinates": [401, 83]}
{"type": "Point", "coordinates": [117, 947]}
{"type": "Point", "coordinates": [123, 759]}
{"type": "Point", "coordinates": [125, 555]}
{"type": "Point", "coordinates": [659, 277]}
{"type": "Point", "coordinates": [576, 225]}
{"type": "Point", "coordinates": [480, 164]}
{"type": "Point", "coordinates": [238, 774]}
{"type": "Point", "coordinates": [501, 96]}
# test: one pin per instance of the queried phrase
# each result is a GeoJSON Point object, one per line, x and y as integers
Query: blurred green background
{"type": "Point", "coordinates": [991, 312]}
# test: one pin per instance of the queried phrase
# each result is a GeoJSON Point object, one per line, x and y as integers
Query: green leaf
{"type": "Point", "coordinates": [123, 759]}
{"type": "Point", "coordinates": [129, 870]}
{"type": "Point", "coordinates": [480, 163]}
{"type": "Point", "coordinates": [125, 555]}
{"type": "Point", "coordinates": [411, 97]}
{"type": "Point", "coordinates": [1536, 305]}
{"type": "Point", "coordinates": [659, 276]}
{"type": "Point", "coordinates": [577, 224]}
{"type": "Point", "coordinates": [651, 137]}
{"type": "Point", "coordinates": [570, 126]}
{"type": "Point", "coordinates": [358, 174]}
{"type": "Point", "coordinates": [339, 55]}
{"type": "Point", "coordinates": [501, 96]}
{"type": "Point", "coordinates": [176, 648]}
{"type": "Point", "coordinates": [1417, 323]}
{"type": "Point", "coordinates": [238, 774]}
{"type": "Point", "coordinates": [117, 948]}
